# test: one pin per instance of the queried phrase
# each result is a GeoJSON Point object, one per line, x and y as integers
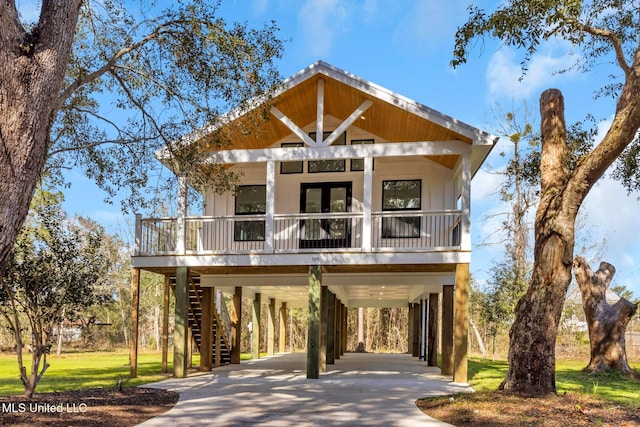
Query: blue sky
{"type": "Point", "coordinates": [406, 47]}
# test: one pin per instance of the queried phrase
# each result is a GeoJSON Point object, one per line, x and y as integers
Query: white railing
{"type": "Point", "coordinates": [416, 230]}
{"type": "Point", "coordinates": [294, 233]}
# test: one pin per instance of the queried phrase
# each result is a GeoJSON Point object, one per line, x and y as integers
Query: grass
{"type": "Point", "coordinates": [74, 371]}
{"type": "Point", "coordinates": [81, 370]}
{"type": "Point", "coordinates": [486, 375]}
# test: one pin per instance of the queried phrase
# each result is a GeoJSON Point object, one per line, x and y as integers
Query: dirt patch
{"type": "Point", "coordinates": [95, 407]}
{"type": "Point", "coordinates": [495, 409]}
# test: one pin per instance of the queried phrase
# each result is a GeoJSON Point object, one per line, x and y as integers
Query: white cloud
{"type": "Point", "coordinates": [614, 216]}
{"type": "Point", "coordinates": [320, 20]}
{"type": "Point", "coordinates": [260, 6]}
{"type": "Point", "coordinates": [485, 185]}
{"type": "Point", "coordinates": [369, 9]}
{"type": "Point", "coordinates": [428, 23]}
{"type": "Point", "coordinates": [505, 78]}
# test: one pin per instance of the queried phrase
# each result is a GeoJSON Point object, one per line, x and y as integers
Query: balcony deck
{"type": "Point", "coordinates": [414, 231]}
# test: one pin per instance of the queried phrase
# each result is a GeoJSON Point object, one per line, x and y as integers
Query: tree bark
{"type": "Point", "coordinates": [607, 323]}
{"type": "Point", "coordinates": [533, 334]}
{"type": "Point", "coordinates": [32, 69]}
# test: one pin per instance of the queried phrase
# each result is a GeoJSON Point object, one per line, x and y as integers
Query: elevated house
{"type": "Point", "coordinates": [350, 196]}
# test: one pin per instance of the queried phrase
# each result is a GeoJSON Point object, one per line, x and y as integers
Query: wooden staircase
{"type": "Point", "coordinates": [195, 323]}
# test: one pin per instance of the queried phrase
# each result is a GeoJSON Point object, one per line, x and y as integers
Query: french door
{"type": "Point", "coordinates": [327, 198]}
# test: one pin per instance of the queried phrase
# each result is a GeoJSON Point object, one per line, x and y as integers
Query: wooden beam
{"type": "Point", "coordinates": [447, 330]}
{"type": "Point", "coordinates": [236, 326]}
{"type": "Point", "coordinates": [415, 345]}
{"type": "Point", "coordinates": [348, 122]}
{"type": "Point", "coordinates": [320, 112]}
{"type": "Point", "coordinates": [271, 328]}
{"type": "Point", "coordinates": [190, 345]}
{"type": "Point", "coordinates": [293, 127]}
{"type": "Point", "coordinates": [423, 329]}
{"type": "Point", "coordinates": [313, 327]}
{"type": "Point", "coordinates": [337, 328]}
{"type": "Point", "coordinates": [432, 335]}
{"type": "Point", "coordinates": [135, 307]}
{"type": "Point", "coordinates": [461, 324]}
{"type": "Point", "coordinates": [323, 328]}
{"type": "Point", "coordinates": [206, 329]}
{"type": "Point", "coordinates": [392, 149]}
{"type": "Point", "coordinates": [410, 329]}
{"type": "Point", "coordinates": [345, 325]}
{"type": "Point", "coordinates": [255, 322]}
{"type": "Point", "coordinates": [180, 332]}
{"type": "Point", "coordinates": [331, 328]}
{"type": "Point", "coordinates": [165, 323]}
{"type": "Point", "coordinates": [284, 328]}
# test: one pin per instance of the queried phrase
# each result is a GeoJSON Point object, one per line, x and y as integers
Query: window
{"type": "Point", "coordinates": [294, 166]}
{"type": "Point", "coordinates": [250, 200]}
{"type": "Point", "coordinates": [401, 195]}
{"type": "Point", "coordinates": [328, 165]}
{"type": "Point", "coordinates": [358, 164]}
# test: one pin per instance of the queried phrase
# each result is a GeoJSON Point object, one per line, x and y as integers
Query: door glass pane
{"type": "Point", "coordinates": [313, 204]}
{"type": "Point", "coordinates": [313, 200]}
{"type": "Point", "coordinates": [338, 199]}
{"type": "Point", "coordinates": [337, 203]}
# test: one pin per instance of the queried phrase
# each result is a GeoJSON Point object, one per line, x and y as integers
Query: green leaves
{"type": "Point", "coordinates": [596, 27]}
{"type": "Point", "coordinates": [141, 80]}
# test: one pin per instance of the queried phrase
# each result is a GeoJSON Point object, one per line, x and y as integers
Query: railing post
{"type": "Point", "coordinates": [465, 198]}
{"type": "Point", "coordinates": [270, 206]}
{"type": "Point", "coordinates": [138, 235]}
{"type": "Point", "coordinates": [366, 204]}
{"type": "Point", "coordinates": [182, 215]}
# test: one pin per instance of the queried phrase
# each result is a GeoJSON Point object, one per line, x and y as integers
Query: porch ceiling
{"type": "Point", "coordinates": [392, 285]}
{"type": "Point", "coordinates": [390, 122]}
{"type": "Point", "coordinates": [354, 290]}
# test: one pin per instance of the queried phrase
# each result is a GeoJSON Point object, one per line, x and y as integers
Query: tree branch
{"type": "Point", "coordinates": [615, 42]}
{"type": "Point", "coordinates": [111, 62]}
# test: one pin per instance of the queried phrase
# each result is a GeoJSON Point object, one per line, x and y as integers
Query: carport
{"type": "Point", "coordinates": [359, 389]}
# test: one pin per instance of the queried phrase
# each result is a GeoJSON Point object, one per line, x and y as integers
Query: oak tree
{"type": "Point", "coordinates": [601, 30]}
{"type": "Point", "coordinates": [100, 86]}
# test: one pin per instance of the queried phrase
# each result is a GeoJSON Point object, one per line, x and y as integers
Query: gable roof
{"type": "Point", "coordinates": [392, 117]}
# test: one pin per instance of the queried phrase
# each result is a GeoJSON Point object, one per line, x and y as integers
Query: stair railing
{"type": "Point", "coordinates": [221, 307]}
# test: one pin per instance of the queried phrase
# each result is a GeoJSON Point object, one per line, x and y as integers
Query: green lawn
{"type": "Point", "coordinates": [486, 375]}
{"type": "Point", "coordinates": [73, 371]}
{"type": "Point", "coordinates": [102, 369]}
{"type": "Point", "coordinates": [82, 370]}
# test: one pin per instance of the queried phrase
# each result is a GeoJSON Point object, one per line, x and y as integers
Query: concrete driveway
{"type": "Point", "coordinates": [359, 389]}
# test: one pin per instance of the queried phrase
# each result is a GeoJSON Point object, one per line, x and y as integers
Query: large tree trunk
{"type": "Point", "coordinates": [32, 69]}
{"type": "Point", "coordinates": [534, 331]}
{"type": "Point", "coordinates": [607, 323]}
{"type": "Point", "coordinates": [533, 334]}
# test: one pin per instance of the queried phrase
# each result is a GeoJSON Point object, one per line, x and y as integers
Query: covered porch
{"type": "Point", "coordinates": [436, 297]}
